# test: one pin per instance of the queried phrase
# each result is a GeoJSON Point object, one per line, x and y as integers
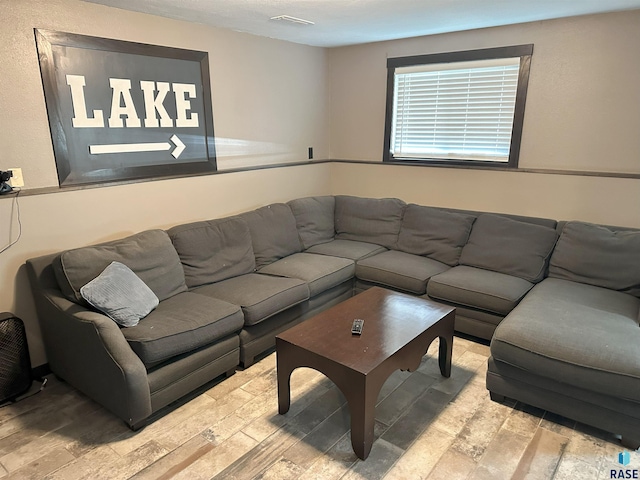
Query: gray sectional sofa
{"type": "Point", "coordinates": [566, 331]}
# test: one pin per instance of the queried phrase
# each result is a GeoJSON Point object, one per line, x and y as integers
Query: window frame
{"type": "Point", "coordinates": [525, 53]}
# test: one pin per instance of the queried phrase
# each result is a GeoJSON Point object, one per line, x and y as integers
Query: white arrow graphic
{"type": "Point", "coordinates": [179, 146]}
{"type": "Point", "coordinates": [139, 147]}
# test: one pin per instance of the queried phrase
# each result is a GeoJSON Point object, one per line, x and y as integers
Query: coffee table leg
{"type": "Point", "coordinates": [362, 407]}
{"type": "Point", "coordinates": [284, 369]}
{"type": "Point", "coordinates": [444, 356]}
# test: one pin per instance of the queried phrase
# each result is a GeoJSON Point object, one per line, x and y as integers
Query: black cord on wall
{"type": "Point", "coordinates": [15, 206]}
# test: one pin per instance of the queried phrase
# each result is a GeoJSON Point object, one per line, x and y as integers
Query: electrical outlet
{"type": "Point", "coordinates": [16, 180]}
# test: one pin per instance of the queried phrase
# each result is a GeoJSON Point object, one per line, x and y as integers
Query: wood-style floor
{"type": "Point", "coordinates": [427, 427]}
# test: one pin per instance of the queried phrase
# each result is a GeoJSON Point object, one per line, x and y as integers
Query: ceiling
{"type": "Point", "coordinates": [348, 22]}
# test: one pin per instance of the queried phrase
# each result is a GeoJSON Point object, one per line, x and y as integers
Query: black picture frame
{"type": "Point", "coordinates": [168, 91]}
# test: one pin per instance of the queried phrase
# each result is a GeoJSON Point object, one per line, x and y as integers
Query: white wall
{"type": "Point", "coordinates": [582, 113]}
{"type": "Point", "coordinates": [269, 97]}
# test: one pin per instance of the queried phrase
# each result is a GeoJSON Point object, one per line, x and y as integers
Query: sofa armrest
{"type": "Point", "coordinates": [87, 349]}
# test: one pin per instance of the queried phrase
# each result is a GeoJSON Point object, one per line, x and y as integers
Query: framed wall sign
{"type": "Point", "coordinates": [122, 110]}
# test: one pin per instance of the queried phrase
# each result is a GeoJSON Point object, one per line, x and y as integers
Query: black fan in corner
{"type": "Point", "coordinates": [15, 365]}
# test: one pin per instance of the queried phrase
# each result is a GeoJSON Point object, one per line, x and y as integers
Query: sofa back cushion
{"type": "Point", "coordinates": [214, 250]}
{"type": "Point", "coordinates": [314, 219]}
{"type": "Point", "coordinates": [434, 232]}
{"type": "Point", "coordinates": [273, 233]}
{"type": "Point", "coordinates": [149, 254]}
{"type": "Point", "coordinates": [370, 220]}
{"type": "Point", "coordinates": [545, 222]}
{"type": "Point", "coordinates": [598, 255]}
{"type": "Point", "coordinates": [509, 246]}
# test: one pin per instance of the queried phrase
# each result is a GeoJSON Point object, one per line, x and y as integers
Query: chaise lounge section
{"type": "Point", "coordinates": [571, 345]}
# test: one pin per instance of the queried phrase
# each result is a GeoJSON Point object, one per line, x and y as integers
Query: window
{"type": "Point", "coordinates": [462, 108]}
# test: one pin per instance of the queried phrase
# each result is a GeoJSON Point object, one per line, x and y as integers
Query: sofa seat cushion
{"type": "Point", "coordinates": [347, 249]}
{"type": "Point", "coordinates": [399, 270]}
{"type": "Point", "coordinates": [577, 334]}
{"type": "Point", "coordinates": [509, 246]}
{"type": "Point", "coordinates": [180, 324]}
{"type": "Point", "coordinates": [260, 296]}
{"type": "Point", "coordinates": [213, 250]}
{"type": "Point", "coordinates": [597, 255]}
{"type": "Point", "coordinates": [373, 220]}
{"type": "Point", "coordinates": [477, 288]}
{"type": "Point", "coordinates": [150, 254]}
{"type": "Point", "coordinates": [321, 272]}
{"type": "Point", "coordinates": [314, 219]}
{"type": "Point", "coordinates": [434, 232]}
{"type": "Point", "coordinates": [274, 234]}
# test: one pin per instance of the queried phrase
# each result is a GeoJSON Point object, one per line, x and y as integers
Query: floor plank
{"type": "Point", "coordinates": [542, 456]}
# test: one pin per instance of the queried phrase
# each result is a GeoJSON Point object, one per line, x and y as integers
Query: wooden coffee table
{"type": "Point", "coordinates": [398, 330]}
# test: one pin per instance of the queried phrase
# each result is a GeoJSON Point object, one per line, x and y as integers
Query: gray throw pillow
{"type": "Point", "coordinates": [599, 256]}
{"type": "Point", "coordinates": [120, 294]}
{"type": "Point", "coordinates": [508, 246]}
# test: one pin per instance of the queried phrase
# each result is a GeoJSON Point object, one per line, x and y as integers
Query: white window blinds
{"type": "Point", "coordinates": [457, 111]}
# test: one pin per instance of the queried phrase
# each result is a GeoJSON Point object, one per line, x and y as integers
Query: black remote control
{"type": "Point", "coordinates": [356, 328]}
